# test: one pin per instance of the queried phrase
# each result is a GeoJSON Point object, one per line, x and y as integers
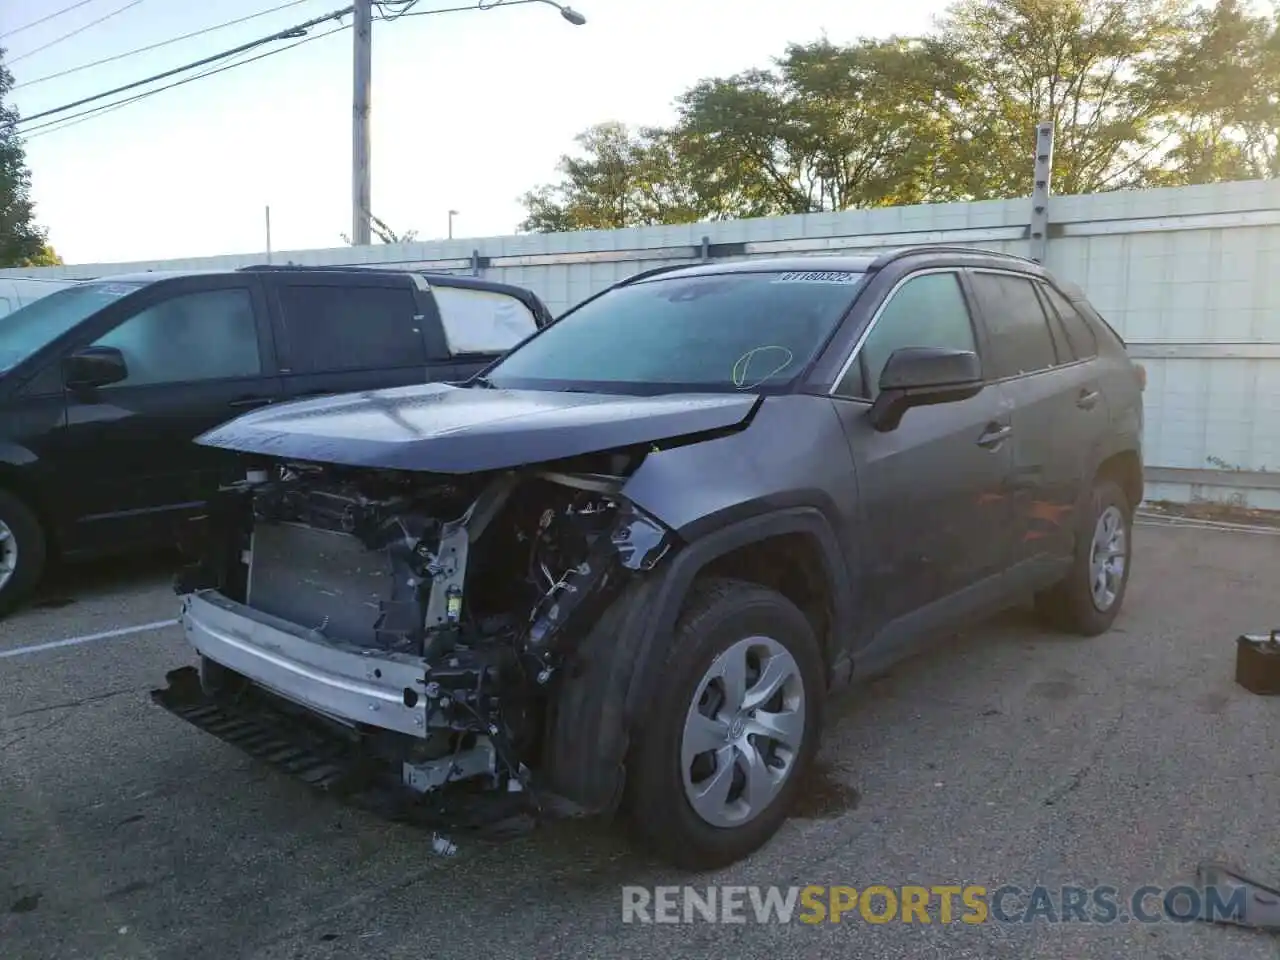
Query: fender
{"type": "Point", "coordinates": [678, 576]}
{"type": "Point", "coordinates": [20, 471]}
{"type": "Point", "coordinates": [615, 670]}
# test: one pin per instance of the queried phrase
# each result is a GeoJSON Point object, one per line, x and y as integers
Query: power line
{"type": "Point", "coordinates": [157, 46]}
{"type": "Point", "coordinates": [404, 5]}
{"type": "Point", "coordinates": [53, 126]}
{"type": "Point", "coordinates": [482, 5]}
{"type": "Point", "coordinates": [479, 5]}
{"type": "Point", "coordinates": [77, 30]}
{"type": "Point", "coordinates": [289, 33]}
{"type": "Point", "coordinates": [93, 112]}
{"type": "Point", "coordinates": [44, 19]}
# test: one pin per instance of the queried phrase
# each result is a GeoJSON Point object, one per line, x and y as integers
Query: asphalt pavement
{"type": "Point", "coordinates": [1008, 755]}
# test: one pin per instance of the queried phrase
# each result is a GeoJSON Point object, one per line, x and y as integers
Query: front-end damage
{"type": "Point", "coordinates": [403, 637]}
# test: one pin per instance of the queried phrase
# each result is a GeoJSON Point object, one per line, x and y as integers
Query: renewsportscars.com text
{"type": "Point", "coordinates": [944, 904]}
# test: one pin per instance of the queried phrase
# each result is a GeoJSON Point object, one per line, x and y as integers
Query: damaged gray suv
{"type": "Point", "coordinates": [624, 568]}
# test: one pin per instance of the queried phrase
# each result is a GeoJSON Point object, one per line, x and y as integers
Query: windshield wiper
{"type": "Point", "coordinates": [482, 382]}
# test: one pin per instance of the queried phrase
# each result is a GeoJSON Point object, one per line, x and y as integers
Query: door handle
{"type": "Point", "coordinates": [996, 434]}
{"type": "Point", "coordinates": [1088, 399]}
{"type": "Point", "coordinates": [250, 402]}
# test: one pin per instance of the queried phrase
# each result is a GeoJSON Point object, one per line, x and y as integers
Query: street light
{"type": "Point", "coordinates": [570, 14]}
{"type": "Point", "coordinates": [452, 214]}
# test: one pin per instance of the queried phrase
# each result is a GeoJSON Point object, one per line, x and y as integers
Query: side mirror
{"type": "Point", "coordinates": [922, 376]}
{"type": "Point", "coordinates": [94, 367]}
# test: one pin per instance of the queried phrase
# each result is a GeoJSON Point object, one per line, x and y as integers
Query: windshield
{"type": "Point", "coordinates": [25, 331]}
{"type": "Point", "coordinates": [730, 331]}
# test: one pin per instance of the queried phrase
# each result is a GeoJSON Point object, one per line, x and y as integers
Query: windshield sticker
{"type": "Point", "coordinates": [117, 289]}
{"type": "Point", "coordinates": [817, 276]}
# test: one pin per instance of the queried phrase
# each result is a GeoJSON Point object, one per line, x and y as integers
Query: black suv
{"type": "Point", "coordinates": [626, 565]}
{"type": "Point", "coordinates": [103, 385]}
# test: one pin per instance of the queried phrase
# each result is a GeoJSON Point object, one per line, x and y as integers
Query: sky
{"type": "Point", "coordinates": [470, 110]}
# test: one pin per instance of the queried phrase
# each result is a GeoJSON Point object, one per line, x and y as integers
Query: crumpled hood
{"type": "Point", "coordinates": [438, 428]}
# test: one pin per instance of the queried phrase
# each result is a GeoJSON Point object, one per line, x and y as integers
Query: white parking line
{"type": "Point", "coordinates": [1156, 520]}
{"type": "Point", "coordinates": [87, 638]}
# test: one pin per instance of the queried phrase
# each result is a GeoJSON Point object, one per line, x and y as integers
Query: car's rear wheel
{"type": "Point", "coordinates": [1089, 598]}
{"type": "Point", "coordinates": [22, 551]}
{"type": "Point", "coordinates": [734, 726]}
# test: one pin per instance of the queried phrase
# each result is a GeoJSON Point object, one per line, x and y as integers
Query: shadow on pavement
{"type": "Point", "coordinates": [69, 582]}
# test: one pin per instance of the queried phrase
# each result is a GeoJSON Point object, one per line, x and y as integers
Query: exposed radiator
{"type": "Point", "coordinates": [321, 580]}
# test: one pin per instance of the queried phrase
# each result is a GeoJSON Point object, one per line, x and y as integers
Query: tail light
{"type": "Point", "coordinates": [1141, 371]}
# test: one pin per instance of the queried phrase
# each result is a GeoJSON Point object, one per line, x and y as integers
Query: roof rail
{"type": "Point", "coordinates": [653, 272]}
{"type": "Point", "coordinates": [286, 266]}
{"type": "Point", "coordinates": [887, 258]}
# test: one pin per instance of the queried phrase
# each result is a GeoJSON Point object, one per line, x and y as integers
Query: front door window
{"type": "Point", "coordinates": [210, 335]}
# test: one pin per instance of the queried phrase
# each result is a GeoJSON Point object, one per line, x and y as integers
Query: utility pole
{"type": "Point", "coordinates": [361, 201]}
{"type": "Point", "coordinates": [1041, 188]}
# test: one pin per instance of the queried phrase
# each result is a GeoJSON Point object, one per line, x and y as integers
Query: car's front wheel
{"type": "Point", "coordinates": [22, 551]}
{"type": "Point", "coordinates": [1089, 598]}
{"type": "Point", "coordinates": [734, 726]}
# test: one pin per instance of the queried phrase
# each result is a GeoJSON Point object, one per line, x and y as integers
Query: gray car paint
{"type": "Point", "coordinates": [437, 428]}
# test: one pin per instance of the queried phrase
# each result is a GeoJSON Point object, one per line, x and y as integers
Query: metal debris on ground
{"type": "Point", "coordinates": [443, 845]}
{"type": "Point", "coordinates": [1259, 909]}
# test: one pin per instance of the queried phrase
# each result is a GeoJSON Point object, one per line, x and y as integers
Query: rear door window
{"type": "Point", "coordinates": [482, 321]}
{"type": "Point", "coordinates": [330, 328]}
{"type": "Point", "coordinates": [1084, 345]}
{"type": "Point", "coordinates": [1019, 340]}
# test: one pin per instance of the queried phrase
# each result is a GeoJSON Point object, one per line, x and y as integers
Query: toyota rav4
{"type": "Point", "coordinates": [623, 568]}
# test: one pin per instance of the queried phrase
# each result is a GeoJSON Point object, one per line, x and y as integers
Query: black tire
{"type": "Point", "coordinates": [717, 614]}
{"type": "Point", "coordinates": [32, 550]}
{"type": "Point", "coordinates": [1069, 605]}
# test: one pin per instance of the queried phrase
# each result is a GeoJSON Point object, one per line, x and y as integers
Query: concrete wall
{"type": "Point", "coordinates": [1190, 276]}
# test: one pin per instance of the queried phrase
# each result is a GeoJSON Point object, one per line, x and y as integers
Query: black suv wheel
{"type": "Point", "coordinates": [22, 551]}
{"type": "Point", "coordinates": [733, 729]}
{"type": "Point", "coordinates": [1088, 600]}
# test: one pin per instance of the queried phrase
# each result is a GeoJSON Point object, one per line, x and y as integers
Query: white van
{"type": "Point", "coordinates": [17, 292]}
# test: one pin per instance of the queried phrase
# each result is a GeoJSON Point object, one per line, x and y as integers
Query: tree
{"type": "Point", "coordinates": [619, 178]}
{"type": "Point", "coordinates": [1140, 93]}
{"type": "Point", "coordinates": [384, 233]}
{"type": "Point", "coordinates": [829, 128]}
{"type": "Point", "coordinates": [1227, 73]}
{"type": "Point", "coordinates": [22, 242]}
{"type": "Point", "coordinates": [45, 257]}
{"type": "Point", "coordinates": [1092, 67]}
